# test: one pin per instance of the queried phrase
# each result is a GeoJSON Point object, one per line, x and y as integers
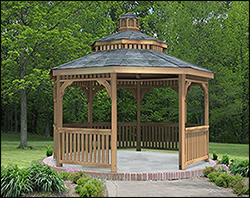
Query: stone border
{"type": "Point", "coordinates": [137, 176]}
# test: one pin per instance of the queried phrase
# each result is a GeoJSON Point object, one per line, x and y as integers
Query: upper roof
{"type": "Point", "coordinates": [128, 15]}
{"type": "Point", "coordinates": [128, 35]}
{"type": "Point", "coordinates": [128, 57]}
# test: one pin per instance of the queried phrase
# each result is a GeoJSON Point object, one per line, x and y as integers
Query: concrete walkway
{"type": "Point", "coordinates": [175, 188]}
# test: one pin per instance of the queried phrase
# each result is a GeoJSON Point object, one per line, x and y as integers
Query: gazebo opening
{"type": "Point", "coordinates": [132, 61]}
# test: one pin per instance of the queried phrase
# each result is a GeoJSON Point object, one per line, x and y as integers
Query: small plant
{"type": "Point", "coordinates": [215, 156]}
{"type": "Point", "coordinates": [213, 176]}
{"type": "Point", "coordinates": [65, 175]}
{"type": "Point", "coordinates": [225, 160]}
{"type": "Point", "coordinates": [240, 167]}
{"type": "Point", "coordinates": [87, 187]}
{"type": "Point", "coordinates": [223, 180]}
{"type": "Point", "coordinates": [77, 175]}
{"type": "Point", "coordinates": [14, 182]}
{"type": "Point", "coordinates": [208, 170]}
{"type": "Point", "coordinates": [49, 150]}
{"type": "Point", "coordinates": [43, 178]}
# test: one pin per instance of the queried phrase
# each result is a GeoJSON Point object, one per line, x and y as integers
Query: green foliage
{"type": "Point", "coordinates": [215, 156]}
{"type": "Point", "coordinates": [240, 167]}
{"type": "Point", "coordinates": [208, 170]}
{"type": "Point", "coordinates": [49, 150]}
{"type": "Point", "coordinates": [43, 178]}
{"type": "Point", "coordinates": [15, 182]}
{"type": "Point", "coordinates": [224, 160]}
{"type": "Point", "coordinates": [238, 185]}
{"type": "Point", "coordinates": [77, 175]}
{"type": "Point", "coordinates": [65, 175]}
{"type": "Point", "coordinates": [223, 180]}
{"type": "Point", "coordinates": [213, 175]}
{"type": "Point", "coordinates": [87, 187]}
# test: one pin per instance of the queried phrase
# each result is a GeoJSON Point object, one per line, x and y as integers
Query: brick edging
{"type": "Point", "coordinates": [138, 176]}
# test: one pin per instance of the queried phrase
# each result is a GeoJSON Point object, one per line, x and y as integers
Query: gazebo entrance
{"type": "Point", "coordinates": [138, 66]}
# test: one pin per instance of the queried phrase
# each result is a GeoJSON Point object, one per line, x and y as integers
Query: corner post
{"type": "Point", "coordinates": [59, 120]}
{"type": "Point", "coordinates": [138, 97]}
{"type": "Point", "coordinates": [182, 97]}
{"type": "Point", "coordinates": [114, 123]}
{"type": "Point", "coordinates": [90, 105]}
{"type": "Point", "coordinates": [206, 112]}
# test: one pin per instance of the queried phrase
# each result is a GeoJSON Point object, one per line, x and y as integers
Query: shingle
{"type": "Point", "coordinates": [128, 57]}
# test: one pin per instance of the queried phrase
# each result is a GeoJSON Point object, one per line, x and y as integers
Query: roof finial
{"type": "Point", "coordinates": [129, 10]}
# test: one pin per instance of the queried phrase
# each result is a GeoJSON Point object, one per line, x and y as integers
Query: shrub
{"type": "Point", "coordinates": [76, 176]}
{"type": "Point", "coordinates": [225, 160]}
{"type": "Point", "coordinates": [49, 150]}
{"type": "Point", "coordinates": [208, 170]}
{"type": "Point", "coordinates": [219, 181]}
{"type": "Point", "coordinates": [87, 187]}
{"type": "Point", "coordinates": [213, 176]}
{"type": "Point", "coordinates": [223, 180]}
{"type": "Point", "coordinates": [14, 182]}
{"type": "Point", "coordinates": [65, 175]}
{"type": "Point", "coordinates": [215, 156]}
{"type": "Point", "coordinates": [43, 178]}
{"type": "Point", "coordinates": [240, 167]}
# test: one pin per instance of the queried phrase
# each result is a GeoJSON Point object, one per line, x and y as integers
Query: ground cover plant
{"type": "Point", "coordinates": [16, 182]}
{"type": "Point", "coordinates": [233, 176]}
{"type": "Point", "coordinates": [86, 185]}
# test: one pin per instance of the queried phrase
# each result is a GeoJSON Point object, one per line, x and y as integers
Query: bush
{"type": "Point", "coordinates": [225, 160]}
{"type": "Point", "coordinates": [240, 167]}
{"type": "Point", "coordinates": [43, 178]}
{"type": "Point", "coordinates": [87, 187]}
{"type": "Point", "coordinates": [213, 176]}
{"type": "Point", "coordinates": [215, 156]}
{"type": "Point", "coordinates": [208, 170]}
{"type": "Point", "coordinates": [14, 182]}
{"type": "Point", "coordinates": [76, 176]}
{"type": "Point", "coordinates": [223, 180]}
{"type": "Point", "coordinates": [64, 175]}
{"type": "Point", "coordinates": [49, 150]}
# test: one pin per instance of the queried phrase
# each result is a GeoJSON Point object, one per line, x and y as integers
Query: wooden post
{"type": "Point", "coordinates": [90, 105]}
{"type": "Point", "coordinates": [55, 117]}
{"type": "Point", "coordinates": [59, 119]}
{"type": "Point", "coordinates": [114, 123]}
{"type": "Point", "coordinates": [182, 78]}
{"type": "Point", "coordinates": [138, 98]}
{"type": "Point", "coordinates": [206, 112]}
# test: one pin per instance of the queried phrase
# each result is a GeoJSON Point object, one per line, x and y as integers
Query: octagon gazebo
{"type": "Point", "coordinates": [136, 62]}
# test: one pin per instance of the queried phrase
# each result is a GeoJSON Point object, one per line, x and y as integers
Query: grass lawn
{"type": "Point", "coordinates": [10, 154]}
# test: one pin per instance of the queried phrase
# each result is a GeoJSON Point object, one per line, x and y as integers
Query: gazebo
{"type": "Point", "coordinates": [136, 62]}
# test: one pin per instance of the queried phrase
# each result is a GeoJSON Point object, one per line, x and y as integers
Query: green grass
{"type": "Point", "coordinates": [10, 154]}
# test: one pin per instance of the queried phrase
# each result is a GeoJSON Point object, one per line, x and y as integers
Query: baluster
{"type": "Point", "coordinates": [99, 152]}
{"type": "Point", "coordinates": [86, 147]}
{"type": "Point", "coordinates": [78, 147]}
{"type": "Point", "coordinates": [70, 149]}
{"type": "Point", "coordinates": [90, 148]}
{"type": "Point", "coordinates": [107, 149]}
{"type": "Point", "coordinates": [94, 148]}
{"type": "Point", "coordinates": [103, 152]}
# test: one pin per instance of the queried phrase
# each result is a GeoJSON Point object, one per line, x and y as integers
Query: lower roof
{"type": "Point", "coordinates": [130, 58]}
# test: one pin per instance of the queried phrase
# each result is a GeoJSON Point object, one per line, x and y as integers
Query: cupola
{"type": "Point", "coordinates": [129, 22]}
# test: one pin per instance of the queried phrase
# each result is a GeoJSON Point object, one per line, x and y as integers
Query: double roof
{"type": "Point", "coordinates": [128, 57]}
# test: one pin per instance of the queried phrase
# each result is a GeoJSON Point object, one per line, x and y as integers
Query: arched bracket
{"type": "Point", "coordinates": [144, 91]}
{"type": "Point", "coordinates": [132, 90]}
{"type": "Point", "coordinates": [106, 85]}
{"type": "Point", "coordinates": [204, 86]}
{"type": "Point", "coordinates": [187, 87]}
{"type": "Point", "coordinates": [63, 87]}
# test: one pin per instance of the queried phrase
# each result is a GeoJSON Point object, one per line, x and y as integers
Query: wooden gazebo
{"type": "Point", "coordinates": [134, 61]}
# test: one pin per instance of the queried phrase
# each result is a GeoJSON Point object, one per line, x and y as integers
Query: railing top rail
{"type": "Point", "coordinates": [197, 128]}
{"type": "Point", "coordinates": [86, 130]}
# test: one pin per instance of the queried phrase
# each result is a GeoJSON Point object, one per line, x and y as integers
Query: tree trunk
{"type": "Point", "coordinates": [47, 133]}
{"type": "Point", "coordinates": [16, 120]}
{"type": "Point", "coordinates": [23, 142]}
{"type": "Point", "coordinates": [23, 135]}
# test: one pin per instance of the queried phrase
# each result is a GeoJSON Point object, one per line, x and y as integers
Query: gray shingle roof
{"type": "Point", "coordinates": [128, 15]}
{"type": "Point", "coordinates": [128, 57]}
{"type": "Point", "coordinates": [128, 35]}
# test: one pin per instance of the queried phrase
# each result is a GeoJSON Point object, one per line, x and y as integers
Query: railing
{"type": "Point", "coordinates": [196, 141]}
{"type": "Point", "coordinates": [157, 135]}
{"type": "Point", "coordinates": [84, 146]}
